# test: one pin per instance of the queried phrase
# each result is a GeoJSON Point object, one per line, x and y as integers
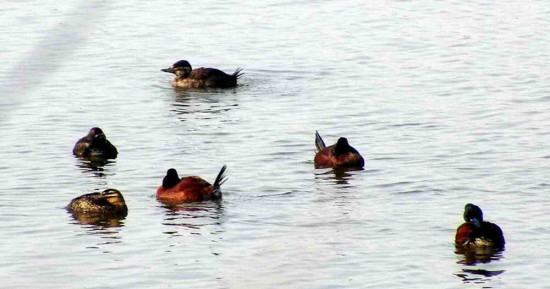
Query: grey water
{"type": "Point", "coordinates": [448, 102]}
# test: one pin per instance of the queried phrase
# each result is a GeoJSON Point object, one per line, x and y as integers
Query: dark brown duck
{"type": "Point", "coordinates": [95, 144]}
{"type": "Point", "coordinates": [202, 77]}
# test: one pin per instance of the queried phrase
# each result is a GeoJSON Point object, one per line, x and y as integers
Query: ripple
{"type": "Point", "coordinates": [445, 107]}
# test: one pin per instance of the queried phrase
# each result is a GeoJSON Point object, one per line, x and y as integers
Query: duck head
{"type": "Point", "coordinates": [171, 179]}
{"type": "Point", "coordinates": [473, 213]}
{"type": "Point", "coordinates": [181, 68]}
{"type": "Point", "coordinates": [114, 197]}
{"type": "Point", "coordinates": [342, 146]}
{"type": "Point", "coordinates": [96, 133]}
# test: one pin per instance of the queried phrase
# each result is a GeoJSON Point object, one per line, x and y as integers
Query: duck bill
{"type": "Point", "coordinates": [169, 70]}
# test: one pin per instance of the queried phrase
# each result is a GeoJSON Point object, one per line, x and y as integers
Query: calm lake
{"type": "Point", "coordinates": [448, 102]}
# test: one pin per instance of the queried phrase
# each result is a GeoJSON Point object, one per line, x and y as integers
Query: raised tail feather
{"type": "Point", "coordinates": [238, 73]}
{"type": "Point", "coordinates": [220, 179]}
{"type": "Point", "coordinates": [319, 143]}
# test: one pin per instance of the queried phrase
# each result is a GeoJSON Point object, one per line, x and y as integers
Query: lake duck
{"type": "Point", "coordinates": [476, 233]}
{"type": "Point", "coordinates": [189, 189]}
{"type": "Point", "coordinates": [109, 203]}
{"type": "Point", "coordinates": [95, 144]}
{"type": "Point", "coordinates": [202, 77]}
{"type": "Point", "coordinates": [340, 154]}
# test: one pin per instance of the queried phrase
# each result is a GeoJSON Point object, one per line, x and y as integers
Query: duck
{"type": "Point", "coordinates": [476, 233]}
{"type": "Point", "coordinates": [338, 155]}
{"type": "Point", "coordinates": [95, 144]}
{"type": "Point", "coordinates": [189, 189]}
{"type": "Point", "coordinates": [109, 203]}
{"type": "Point", "coordinates": [188, 77]}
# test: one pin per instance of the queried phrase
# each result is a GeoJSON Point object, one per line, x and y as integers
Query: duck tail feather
{"type": "Point", "coordinates": [237, 74]}
{"type": "Point", "coordinates": [220, 179]}
{"type": "Point", "coordinates": [319, 143]}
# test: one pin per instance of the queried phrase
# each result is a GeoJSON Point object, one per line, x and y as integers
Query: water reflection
{"type": "Point", "coordinates": [339, 176]}
{"type": "Point", "coordinates": [192, 216]}
{"type": "Point", "coordinates": [203, 101]}
{"type": "Point", "coordinates": [471, 258]}
{"type": "Point", "coordinates": [97, 222]}
{"type": "Point", "coordinates": [95, 165]}
{"type": "Point", "coordinates": [478, 276]}
{"type": "Point", "coordinates": [108, 229]}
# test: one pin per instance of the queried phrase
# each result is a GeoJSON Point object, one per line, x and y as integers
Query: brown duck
{"type": "Point", "coordinates": [202, 77]}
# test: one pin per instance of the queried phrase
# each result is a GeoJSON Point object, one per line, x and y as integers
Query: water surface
{"type": "Point", "coordinates": [447, 101]}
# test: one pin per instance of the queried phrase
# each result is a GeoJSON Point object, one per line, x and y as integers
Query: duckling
{"type": "Point", "coordinates": [476, 233]}
{"type": "Point", "coordinates": [109, 203]}
{"type": "Point", "coordinates": [189, 189]}
{"type": "Point", "coordinates": [95, 144]}
{"type": "Point", "coordinates": [202, 77]}
{"type": "Point", "coordinates": [340, 154]}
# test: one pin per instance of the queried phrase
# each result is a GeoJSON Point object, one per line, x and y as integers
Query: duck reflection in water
{"type": "Point", "coordinates": [106, 208]}
{"type": "Point", "coordinates": [478, 276]}
{"type": "Point", "coordinates": [203, 103]}
{"type": "Point", "coordinates": [98, 167]}
{"type": "Point", "coordinates": [477, 256]}
{"type": "Point", "coordinates": [339, 176]}
{"type": "Point", "coordinates": [192, 218]}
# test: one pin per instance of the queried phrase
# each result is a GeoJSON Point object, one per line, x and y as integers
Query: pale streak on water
{"type": "Point", "coordinates": [448, 101]}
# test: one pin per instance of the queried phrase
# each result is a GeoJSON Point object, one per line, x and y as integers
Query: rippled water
{"type": "Point", "coordinates": [447, 101]}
